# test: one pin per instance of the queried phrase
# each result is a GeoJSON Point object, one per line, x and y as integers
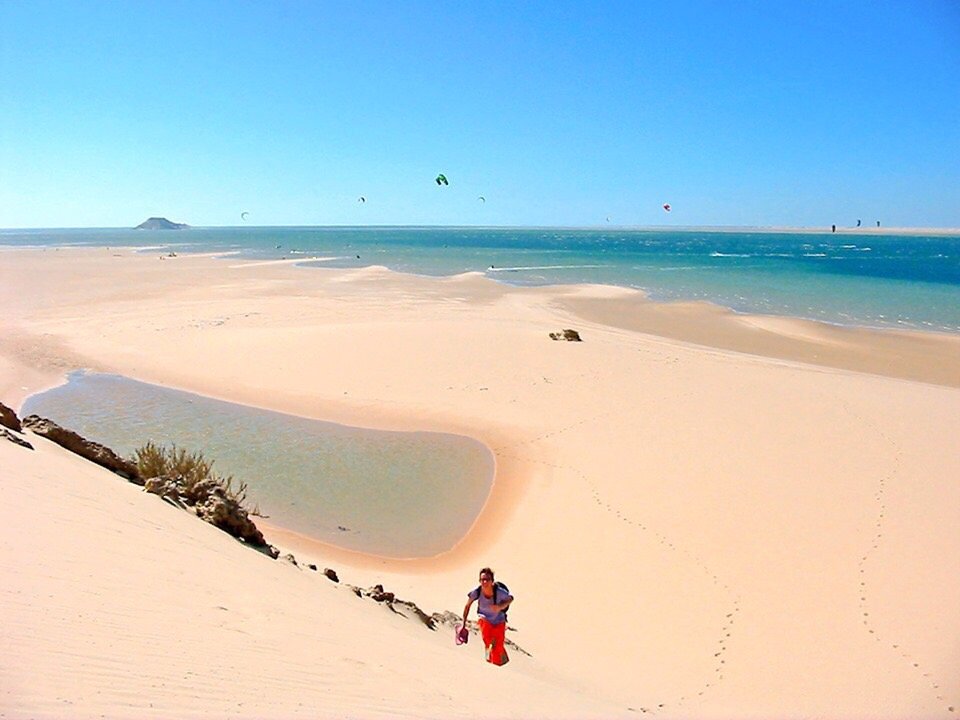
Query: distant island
{"type": "Point", "coordinates": [160, 223]}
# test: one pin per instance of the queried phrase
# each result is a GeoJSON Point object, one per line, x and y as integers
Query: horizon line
{"type": "Point", "coordinates": [829, 229]}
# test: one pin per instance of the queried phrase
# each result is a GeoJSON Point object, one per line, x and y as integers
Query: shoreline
{"type": "Point", "coordinates": [918, 355]}
{"type": "Point", "coordinates": [316, 262]}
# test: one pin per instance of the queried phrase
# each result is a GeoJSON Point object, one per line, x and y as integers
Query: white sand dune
{"type": "Point", "coordinates": [694, 525]}
{"type": "Point", "coordinates": [118, 604]}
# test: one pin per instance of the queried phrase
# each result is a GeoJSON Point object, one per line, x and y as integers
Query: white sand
{"type": "Point", "coordinates": [690, 529]}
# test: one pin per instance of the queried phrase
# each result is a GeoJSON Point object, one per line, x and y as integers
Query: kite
{"type": "Point", "coordinates": [361, 199]}
{"type": "Point", "coordinates": [481, 198]}
{"type": "Point", "coordinates": [442, 179]}
{"type": "Point", "coordinates": [666, 207]}
{"type": "Point", "coordinates": [243, 215]}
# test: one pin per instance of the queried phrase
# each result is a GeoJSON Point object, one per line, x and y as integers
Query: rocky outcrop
{"type": "Point", "coordinates": [160, 223]}
{"type": "Point", "coordinates": [571, 335]}
{"type": "Point", "coordinates": [226, 513]}
{"type": "Point", "coordinates": [378, 594]}
{"type": "Point", "coordinates": [14, 438]}
{"type": "Point", "coordinates": [94, 452]}
{"type": "Point", "coordinates": [165, 487]}
{"type": "Point", "coordinates": [409, 609]}
{"type": "Point", "coordinates": [214, 503]}
{"type": "Point", "coordinates": [9, 419]}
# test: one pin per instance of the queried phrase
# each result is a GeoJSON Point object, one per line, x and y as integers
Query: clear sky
{"type": "Point", "coordinates": [558, 113]}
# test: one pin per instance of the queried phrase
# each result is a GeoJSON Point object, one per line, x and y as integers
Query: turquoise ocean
{"type": "Point", "coordinates": [872, 280]}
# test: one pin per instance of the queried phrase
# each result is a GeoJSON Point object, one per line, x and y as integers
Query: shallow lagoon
{"type": "Point", "coordinates": [398, 494]}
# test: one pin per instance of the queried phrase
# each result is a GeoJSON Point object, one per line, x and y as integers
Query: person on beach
{"type": "Point", "coordinates": [493, 598]}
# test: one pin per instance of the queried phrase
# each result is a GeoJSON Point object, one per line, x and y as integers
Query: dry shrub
{"type": "Point", "coordinates": [151, 460]}
{"type": "Point", "coordinates": [190, 477]}
{"type": "Point", "coordinates": [190, 468]}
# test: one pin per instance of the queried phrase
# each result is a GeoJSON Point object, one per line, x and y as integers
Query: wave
{"type": "Point", "coordinates": [493, 268]}
{"type": "Point", "coordinates": [720, 254]}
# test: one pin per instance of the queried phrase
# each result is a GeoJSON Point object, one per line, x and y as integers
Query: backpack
{"type": "Point", "coordinates": [497, 586]}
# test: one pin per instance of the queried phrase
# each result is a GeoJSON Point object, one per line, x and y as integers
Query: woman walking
{"type": "Point", "coordinates": [493, 598]}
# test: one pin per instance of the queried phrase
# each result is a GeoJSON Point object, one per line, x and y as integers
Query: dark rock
{"type": "Point", "coordinates": [226, 513]}
{"type": "Point", "coordinates": [94, 452]}
{"type": "Point", "coordinates": [312, 567]}
{"type": "Point", "coordinates": [15, 439]}
{"type": "Point", "coordinates": [378, 594]}
{"type": "Point", "coordinates": [571, 335]}
{"type": "Point", "coordinates": [332, 574]}
{"type": "Point", "coordinates": [8, 418]}
{"type": "Point", "coordinates": [160, 223]}
{"type": "Point", "coordinates": [291, 559]}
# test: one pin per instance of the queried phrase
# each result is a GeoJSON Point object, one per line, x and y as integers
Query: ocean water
{"type": "Point", "coordinates": [873, 280]}
{"type": "Point", "coordinates": [396, 494]}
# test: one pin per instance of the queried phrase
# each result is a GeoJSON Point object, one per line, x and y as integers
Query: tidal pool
{"type": "Point", "coordinates": [397, 494]}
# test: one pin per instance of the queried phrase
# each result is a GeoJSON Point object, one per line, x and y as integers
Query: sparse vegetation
{"type": "Point", "coordinates": [159, 461]}
{"type": "Point", "coordinates": [187, 479]}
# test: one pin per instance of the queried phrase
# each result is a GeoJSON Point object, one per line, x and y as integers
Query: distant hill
{"type": "Point", "coordinates": [160, 223]}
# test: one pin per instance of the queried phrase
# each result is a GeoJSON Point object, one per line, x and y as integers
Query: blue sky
{"type": "Point", "coordinates": [747, 113]}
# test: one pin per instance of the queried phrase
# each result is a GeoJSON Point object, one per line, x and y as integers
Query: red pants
{"type": "Point", "coordinates": [494, 637]}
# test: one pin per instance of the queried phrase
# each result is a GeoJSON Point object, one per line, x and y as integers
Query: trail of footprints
{"type": "Point", "coordinates": [726, 629]}
{"type": "Point", "coordinates": [864, 560]}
